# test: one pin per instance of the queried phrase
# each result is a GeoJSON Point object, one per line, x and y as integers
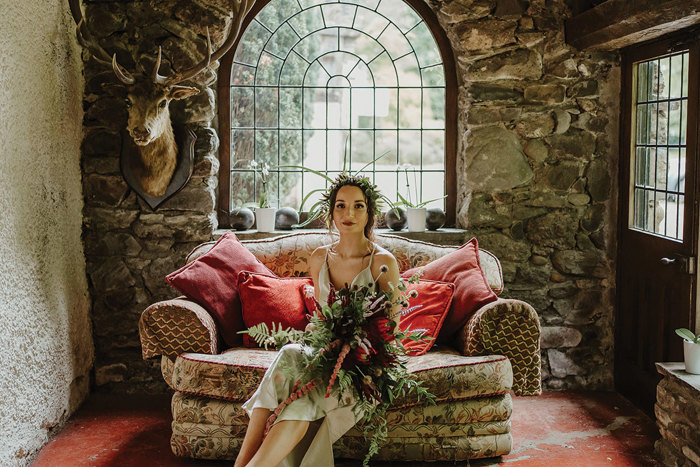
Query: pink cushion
{"type": "Point", "coordinates": [425, 313]}
{"type": "Point", "coordinates": [462, 268]}
{"type": "Point", "coordinates": [212, 281]}
{"type": "Point", "coordinates": [270, 299]}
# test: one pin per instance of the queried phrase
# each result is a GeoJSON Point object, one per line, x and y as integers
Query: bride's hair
{"type": "Point", "coordinates": [370, 191]}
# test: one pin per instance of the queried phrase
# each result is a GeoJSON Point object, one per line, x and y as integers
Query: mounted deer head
{"type": "Point", "coordinates": [148, 96]}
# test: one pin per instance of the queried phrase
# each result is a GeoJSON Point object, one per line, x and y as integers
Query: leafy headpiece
{"type": "Point", "coordinates": [372, 193]}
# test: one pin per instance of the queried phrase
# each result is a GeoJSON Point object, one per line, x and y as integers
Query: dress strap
{"type": "Point", "coordinates": [374, 247]}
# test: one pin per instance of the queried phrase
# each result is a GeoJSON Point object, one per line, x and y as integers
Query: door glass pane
{"type": "Point", "coordinates": [659, 109]}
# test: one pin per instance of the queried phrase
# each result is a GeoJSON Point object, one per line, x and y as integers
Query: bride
{"type": "Point", "coordinates": [304, 432]}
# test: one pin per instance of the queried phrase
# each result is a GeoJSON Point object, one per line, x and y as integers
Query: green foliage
{"type": "Point", "coordinates": [688, 335]}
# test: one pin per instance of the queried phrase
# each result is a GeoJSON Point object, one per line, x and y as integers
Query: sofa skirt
{"type": "Point", "coordinates": [207, 428]}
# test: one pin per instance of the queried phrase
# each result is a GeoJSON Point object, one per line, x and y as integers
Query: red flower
{"type": "Point", "coordinates": [379, 331]}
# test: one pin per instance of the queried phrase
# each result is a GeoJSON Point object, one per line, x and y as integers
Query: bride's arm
{"type": "Point", "coordinates": [315, 261]}
{"type": "Point", "coordinates": [387, 280]}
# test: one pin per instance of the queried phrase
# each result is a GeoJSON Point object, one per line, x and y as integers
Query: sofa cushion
{"type": "Point", "coordinates": [461, 267]}
{"type": "Point", "coordinates": [288, 255]}
{"type": "Point", "coordinates": [271, 299]}
{"type": "Point", "coordinates": [212, 281]}
{"type": "Point", "coordinates": [235, 374]}
{"type": "Point", "coordinates": [425, 313]}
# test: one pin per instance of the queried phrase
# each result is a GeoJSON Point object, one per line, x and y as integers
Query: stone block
{"type": "Point", "coordinates": [110, 373]}
{"type": "Point", "coordinates": [561, 365]}
{"type": "Point", "coordinates": [576, 262]}
{"type": "Point", "coordinates": [486, 35]}
{"type": "Point", "coordinates": [495, 92]}
{"type": "Point", "coordinates": [112, 274]}
{"type": "Point", "coordinates": [518, 64]}
{"type": "Point", "coordinates": [111, 244]}
{"type": "Point", "coordinates": [535, 125]}
{"type": "Point", "coordinates": [536, 150]}
{"type": "Point", "coordinates": [556, 229]}
{"type": "Point", "coordinates": [578, 144]}
{"type": "Point", "coordinates": [559, 336]}
{"type": "Point", "coordinates": [545, 93]}
{"type": "Point", "coordinates": [457, 11]}
{"type": "Point", "coordinates": [504, 247]}
{"type": "Point", "coordinates": [192, 199]}
{"type": "Point", "coordinates": [104, 189]}
{"type": "Point", "coordinates": [102, 142]}
{"type": "Point", "coordinates": [598, 177]}
{"type": "Point", "coordinates": [495, 161]}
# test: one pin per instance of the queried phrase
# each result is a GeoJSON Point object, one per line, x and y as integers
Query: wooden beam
{"type": "Point", "coordinates": [615, 24]}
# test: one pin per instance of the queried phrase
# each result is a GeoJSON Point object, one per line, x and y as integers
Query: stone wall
{"type": "Point", "coordinates": [45, 333]}
{"type": "Point", "coordinates": [537, 158]}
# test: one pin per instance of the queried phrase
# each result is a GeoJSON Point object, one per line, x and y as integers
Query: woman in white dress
{"type": "Point", "coordinates": [304, 432]}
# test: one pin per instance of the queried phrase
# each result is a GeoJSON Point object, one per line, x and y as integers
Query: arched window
{"type": "Point", "coordinates": [336, 84]}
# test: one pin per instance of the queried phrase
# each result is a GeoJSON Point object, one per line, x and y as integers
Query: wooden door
{"type": "Point", "coordinates": [658, 213]}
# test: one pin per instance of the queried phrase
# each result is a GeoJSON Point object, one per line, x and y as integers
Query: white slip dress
{"type": "Point", "coordinates": [330, 419]}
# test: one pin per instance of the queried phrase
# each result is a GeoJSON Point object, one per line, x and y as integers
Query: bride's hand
{"type": "Point", "coordinates": [310, 327]}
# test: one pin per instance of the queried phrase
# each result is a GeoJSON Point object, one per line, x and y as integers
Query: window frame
{"type": "Point", "coordinates": [223, 201]}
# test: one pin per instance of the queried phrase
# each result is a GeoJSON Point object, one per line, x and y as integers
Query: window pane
{"type": "Point", "coordinates": [361, 148]}
{"type": "Point", "coordinates": [424, 44]}
{"type": "Point", "coordinates": [642, 74]}
{"type": "Point", "coordinates": [409, 73]}
{"type": "Point", "coordinates": [293, 70]}
{"type": "Point", "coordinates": [339, 108]}
{"type": "Point", "coordinates": [242, 74]}
{"type": "Point", "coordinates": [385, 107]}
{"type": "Point", "coordinates": [410, 147]}
{"type": "Point", "coordinates": [251, 44]}
{"type": "Point", "coordinates": [315, 149]}
{"type": "Point", "coordinates": [434, 149]}
{"type": "Point", "coordinates": [386, 141]}
{"type": "Point", "coordinates": [370, 22]}
{"type": "Point", "coordinates": [318, 43]}
{"type": "Point", "coordinates": [434, 108]}
{"type": "Point", "coordinates": [362, 108]}
{"type": "Point", "coordinates": [335, 140]}
{"type": "Point", "coordinates": [269, 68]}
{"type": "Point", "coordinates": [433, 76]}
{"type": "Point", "coordinates": [282, 41]}
{"type": "Point", "coordinates": [399, 12]}
{"type": "Point", "coordinates": [266, 107]}
{"type": "Point", "coordinates": [241, 148]}
{"type": "Point", "coordinates": [290, 147]}
{"type": "Point", "coordinates": [383, 71]}
{"type": "Point", "coordinates": [338, 14]}
{"type": "Point", "coordinates": [394, 42]}
{"type": "Point", "coordinates": [314, 107]}
{"type": "Point", "coordinates": [241, 107]}
{"type": "Point", "coordinates": [434, 187]}
{"type": "Point", "coordinates": [290, 189]}
{"type": "Point", "coordinates": [409, 111]}
{"type": "Point", "coordinates": [664, 77]}
{"type": "Point", "coordinates": [242, 188]}
{"type": "Point", "coordinates": [266, 146]}
{"type": "Point", "coordinates": [290, 105]}
{"type": "Point", "coordinates": [277, 12]}
{"type": "Point", "coordinates": [307, 21]}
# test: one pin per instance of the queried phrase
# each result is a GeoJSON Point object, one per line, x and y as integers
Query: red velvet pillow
{"type": "Point", "coordinates": [270, 299]}
{"type": "Point", "coordinates": [462, 268]}
{"type": "Point", "coordinates": [212, 281]}
{"type": "Point", "coordinates": [426, 313]}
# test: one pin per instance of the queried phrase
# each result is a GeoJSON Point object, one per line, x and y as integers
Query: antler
{"type": "Point", "coordinates": [99, 54]}
{"type": "Point", "coordinates": [240, 10]}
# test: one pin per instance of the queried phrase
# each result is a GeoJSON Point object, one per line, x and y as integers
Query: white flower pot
{"type": "Point", "coordinates": [416, 219]}
{"type": "Point", "coordinates": [265, 219]}
{"type": "Point", "coordinates": [691, 353]}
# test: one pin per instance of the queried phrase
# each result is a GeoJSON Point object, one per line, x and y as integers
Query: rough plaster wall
{"type": "Point", "coordinates": [45, 335]}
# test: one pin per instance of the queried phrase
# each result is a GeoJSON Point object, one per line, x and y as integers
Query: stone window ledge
{"type": "Point", "coordinates": [444, 236]}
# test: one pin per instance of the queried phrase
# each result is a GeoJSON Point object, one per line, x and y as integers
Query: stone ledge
{"type": "Point", "coordinates": [676, 371]}
{"type": "Point", "coordinates": [677, 412]}
{"type": "Point", "coordinates": [444, 236]}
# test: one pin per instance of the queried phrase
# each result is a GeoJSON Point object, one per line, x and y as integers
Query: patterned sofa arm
{"type": "Point", "coordinates": [172, 327]}
{"type": "Point", "coordinates": [510, 328]}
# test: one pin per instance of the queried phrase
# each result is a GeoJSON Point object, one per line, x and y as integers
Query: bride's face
{"type": "Point", "coordinates": [350, 210]}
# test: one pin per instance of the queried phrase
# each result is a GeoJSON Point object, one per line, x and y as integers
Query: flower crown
{"type": "Point", "coordinates": [370, 190]}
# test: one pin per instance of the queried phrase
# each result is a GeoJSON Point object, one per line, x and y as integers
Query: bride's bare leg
{"type": "Point", "coordinates": [253, 436]}
{"type": "Point", "coordinates": [279, 442]}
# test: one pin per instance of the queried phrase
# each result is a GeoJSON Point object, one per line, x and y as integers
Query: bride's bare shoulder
{"type": "Point", "coordinates": [383, 257]}
{"type": "Point", "coordinates": [318, 255]}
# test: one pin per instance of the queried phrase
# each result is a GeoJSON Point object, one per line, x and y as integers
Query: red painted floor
{"type": "Point", "coordinates": [555, 429]}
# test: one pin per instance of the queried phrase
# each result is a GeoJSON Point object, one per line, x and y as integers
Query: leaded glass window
{"type": "Point", "coordinates": [323, 83]}
{"type": "Point", "coordinates": [659, 144]}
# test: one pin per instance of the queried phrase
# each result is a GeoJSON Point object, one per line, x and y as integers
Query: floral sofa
{"type": "Point", "coordinates": [472, 378]}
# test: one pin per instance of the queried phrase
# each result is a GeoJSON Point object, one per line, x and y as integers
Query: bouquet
{"type": "Point", "coordinates": [358, 351]}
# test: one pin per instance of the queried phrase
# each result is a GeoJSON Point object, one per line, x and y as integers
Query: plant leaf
{"type": "Point", "coordinates": [687, 334]}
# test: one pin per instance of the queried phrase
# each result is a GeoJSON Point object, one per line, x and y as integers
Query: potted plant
{"type": "Point", "coordinates": [264, 214]}
{"type": "Point", "coordinates": [416, 211]}
{"type": "Point", "coordinates": [691, 350]}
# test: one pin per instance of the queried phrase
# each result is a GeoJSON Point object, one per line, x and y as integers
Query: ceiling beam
{"type": "Point", "coordinates": [615, 24]}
